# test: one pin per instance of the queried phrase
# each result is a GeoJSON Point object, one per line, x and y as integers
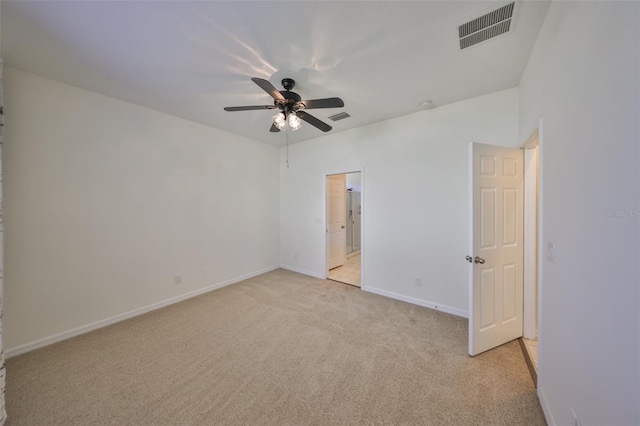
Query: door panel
{"type": "Point", "coordinates": [510, 283]}
{"type": "Point", "coordinates": [336, 220]}
{"type": "Point", "coordinates": [509, 201]}
{"type": "Point", "coordinates": [488, 217]}
{"type": "Point", "coordinates": [496, 246]}
{"type": "Point", "coordinates": [488, 302]}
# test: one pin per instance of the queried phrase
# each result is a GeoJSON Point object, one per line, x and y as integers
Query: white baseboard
{"type": "Point", "coordinates": [386, 293]}
{"type": "Point", "coordinates": [37, 344]}
{"type": "Point", "coordinates": [419, 302]}
{"type": "Point", "coordinates": [302, 271]}
{"type": "Point", "coordinates": [545, 406]}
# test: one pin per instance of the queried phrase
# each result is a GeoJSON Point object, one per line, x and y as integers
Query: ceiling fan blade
{"type": "Point", "coordinates": [314, 121]}
{"type": "Point", "coordinates": [323, 103]}
{"type": "Point", "coordinates": [268, 87]}
{"type": "Point", "coordinates": [274, 128]}
{"type": "Point", "coordinates": [249, 108]}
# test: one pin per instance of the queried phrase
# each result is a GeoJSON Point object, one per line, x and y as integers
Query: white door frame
{"type": "Point", "coordinates": [362, 219]}
{"type": "Point", "coordinates": [533, 237]}
{"type": "Point", "coordinates": [530, 329]}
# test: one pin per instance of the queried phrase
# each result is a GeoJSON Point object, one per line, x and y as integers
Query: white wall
{"type": "Point", "coordinates": [354, 181]}
{"type": "Point", "coordinates": [583, 80]}
{"type": "Point", "coordinates": [415, 199]}
{"type": "Point", "coordinates": [105, 202]}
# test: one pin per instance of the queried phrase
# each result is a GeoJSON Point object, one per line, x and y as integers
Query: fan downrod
{"type": "Point", "coordinates": [288, 84]}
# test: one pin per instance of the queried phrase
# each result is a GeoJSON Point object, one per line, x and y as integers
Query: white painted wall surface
{"type": "Point", "coordinates": [415, 200]}
{"type": "Point", "coordinates": [105, 202]}
{"type": "Point", "coordinates": [354, 181]}
{"type": "Point", "coordinates": [583, 78]}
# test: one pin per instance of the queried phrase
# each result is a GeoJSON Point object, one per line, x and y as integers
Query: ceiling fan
{"type": "Point", "coordinates": [292, 107]}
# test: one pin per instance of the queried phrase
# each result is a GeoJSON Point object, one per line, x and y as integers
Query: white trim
{"type": "Point", "coordinates": [303, 271]}
{"type": "Point", "coordinates": [419, 302]}
{"type": "Point", "coordinates": [40, 343]}
{"type": "Point", "coordinates": [538, 130]}
{"type": "Point", "coordinates": [470, 241]}
{"type": "Point", "coordinates": [541, 238]}
{"type": "Point", "coordinates": [546, 410]}
{"type": "Point", "coordinates": [363, 215]}
{"type": "Point", "coordinates": [530, 239]}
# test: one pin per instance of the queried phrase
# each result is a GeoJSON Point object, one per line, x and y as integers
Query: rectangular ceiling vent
{"type": "Point", "coordinates": [486, 27]}
{"type": "Point", "coordinates": [339, 116]}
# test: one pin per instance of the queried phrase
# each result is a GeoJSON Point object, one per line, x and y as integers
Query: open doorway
{"type": "Point", "coordinates": [531, 250]}
{"type": "Point", "coordinates": [344, 228]}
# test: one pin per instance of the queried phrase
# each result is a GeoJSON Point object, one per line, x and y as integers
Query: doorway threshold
{"type": "Point", "coordinates": [528, 357]}
{"type": "Point", "coordinates": [342, 282]}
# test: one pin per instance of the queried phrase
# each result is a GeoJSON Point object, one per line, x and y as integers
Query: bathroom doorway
{"type": "Point", "coordinates": [532, 249]}
{"type": "Point", "coordinates": [349, 272]}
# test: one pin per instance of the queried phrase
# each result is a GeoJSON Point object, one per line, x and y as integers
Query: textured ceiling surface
{"type": "Point", "coordinates": [191, 59]}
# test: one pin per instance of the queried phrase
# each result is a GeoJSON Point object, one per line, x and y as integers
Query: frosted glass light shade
{"type": "Point", "coordinates": [279, 121]}
{"type": "Point", "coordinates": [294, 121]}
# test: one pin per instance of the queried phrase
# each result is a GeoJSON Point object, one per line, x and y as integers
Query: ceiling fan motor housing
{"type": "Point", "coordinates": [291, 99]}
{"type": "Point", "coordinates": [288, 83]}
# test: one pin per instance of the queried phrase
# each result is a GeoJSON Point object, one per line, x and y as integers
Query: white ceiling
{"type": "Point", "coordinates": [191, 59]}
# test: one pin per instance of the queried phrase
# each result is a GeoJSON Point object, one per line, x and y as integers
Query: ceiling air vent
{"type": "Point", "coordinates": [486, 27]}
{"type": "Point", "coordinates": [339, 116]}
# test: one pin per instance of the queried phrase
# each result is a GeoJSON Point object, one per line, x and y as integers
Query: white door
{"type": "Point", "coordinates": [496, 246]}
{"type": "Point", "coordinates": [336, 220]}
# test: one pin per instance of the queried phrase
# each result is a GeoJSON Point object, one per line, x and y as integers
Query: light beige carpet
{"type": "Point", "coordinates": [278, 349]}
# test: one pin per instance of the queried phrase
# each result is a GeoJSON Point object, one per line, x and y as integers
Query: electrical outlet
{"type": "Point", "coordinates": [417, 281]}
{"type": "Point", "coordinates": [203, 272]}
{"type": "Point", "coordinates": [178, 279]}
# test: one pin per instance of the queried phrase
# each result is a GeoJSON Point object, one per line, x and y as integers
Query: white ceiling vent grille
{"type": "Point", "coordinates": [486, 27]}
{"type": "Point", "coordinates": [339, 116]}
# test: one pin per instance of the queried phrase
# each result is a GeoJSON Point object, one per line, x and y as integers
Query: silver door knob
{"type": "Point", "coordinates": [478, 260]}
{"type": "Point", "coordinates": [469, 259]}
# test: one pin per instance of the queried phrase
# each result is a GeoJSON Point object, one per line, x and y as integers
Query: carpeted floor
{"type": "Point", "coordinates": [280, 349]}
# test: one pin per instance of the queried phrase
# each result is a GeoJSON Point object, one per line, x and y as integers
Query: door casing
{"type": "Point", "coordinates": [537, 138]}
{"type": "Point", "coordinates": [531, 236]}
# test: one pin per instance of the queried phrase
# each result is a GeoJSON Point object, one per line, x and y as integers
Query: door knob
{"type": "Point", "coordinates": [469, 259]}
{"type": "Point", "coordinates": [478, 260]}
{"type": "Point", "coordinates": [342, 227]}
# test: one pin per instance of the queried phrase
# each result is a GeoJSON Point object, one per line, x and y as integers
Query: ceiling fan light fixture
{"type": "Point", "coordinates": [279, 120]}
{"type": "Point", "coordinates": [289, 102]}
{"type": "Point", "coordinates": [294, 121]}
